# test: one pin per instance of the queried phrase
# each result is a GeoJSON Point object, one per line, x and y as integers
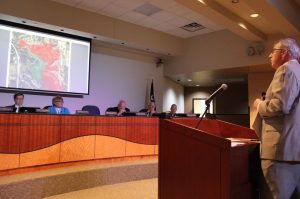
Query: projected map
{"type": "Point", "coordinates": [38, 62]}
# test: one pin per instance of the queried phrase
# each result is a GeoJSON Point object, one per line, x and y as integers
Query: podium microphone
{"type": "Point", "coordinates": [223, 87]}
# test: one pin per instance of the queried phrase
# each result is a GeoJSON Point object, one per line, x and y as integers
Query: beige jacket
{"type": "Point", "coordinates": [278, 120]}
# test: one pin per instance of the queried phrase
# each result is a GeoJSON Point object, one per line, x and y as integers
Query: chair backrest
{"type": "Point", "coordinates": [144, 110]}
{"type": "Point", "coordinates": [46, 107]}
{"type": "Point", "coordinates": [93, 110]}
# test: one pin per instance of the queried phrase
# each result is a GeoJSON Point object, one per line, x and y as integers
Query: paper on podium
{"type": "Point", "coordinates": [242, 141]}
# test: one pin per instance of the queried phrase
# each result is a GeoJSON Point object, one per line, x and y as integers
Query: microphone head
{"type": "Point", "coordinates": [224, 87]}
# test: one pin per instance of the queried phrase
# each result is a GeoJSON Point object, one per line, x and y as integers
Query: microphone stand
{"type": "Point", "coordinates": [207, 107]}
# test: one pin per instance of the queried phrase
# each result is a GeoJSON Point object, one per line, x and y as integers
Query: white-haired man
{"type": "Point", "coordinates": [279, 114]}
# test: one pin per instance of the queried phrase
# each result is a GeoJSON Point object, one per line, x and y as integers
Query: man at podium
{"type": "Point", "coordinates": [279, 117]}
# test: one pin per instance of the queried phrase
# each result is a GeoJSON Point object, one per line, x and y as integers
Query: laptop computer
{"type": "Point", "coordinates": [129, 114]}
{"type": "Point", "coordinates": [28, 109]}
{"type": "Point", "coordinates": [6, 109]}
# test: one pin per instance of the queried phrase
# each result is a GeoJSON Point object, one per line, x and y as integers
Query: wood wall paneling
{"type": "Point", "coordinates": [49, 155]}
{"type": "Point", "coordinates": [38, 139]}
{"type": "Point", "coordinates": [109, 147]}
{"type": "Point", "coordinates": [111, 126]}
{"type": "Point", "coordinates": [9, 161]}
{"type": "Point", "coordinates": [74, 126]}
{"type": "Point", "coordinates": [142, 130]}
{"type": "Point", "coordinates": [9, 133]}
{"type": "Point", "coordinates": [134, 149]}
{"type": "Point", "coordinates": [156, 149]}
{"type": "Point", "coordinates": [80, 148]}
{"type": "Point", "coordinates": [39, 131]}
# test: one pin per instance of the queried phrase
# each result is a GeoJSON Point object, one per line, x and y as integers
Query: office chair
{"type": "Point", "coordinates": [143, 110]}
{"type": "Point", "coordinates": [93, 110]}
{"type": "Point", "coordinates": [46, 107]}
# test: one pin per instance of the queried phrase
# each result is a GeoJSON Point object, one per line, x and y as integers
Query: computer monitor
{"type": "Point", "coordinates": [6, 109]}
{"type": "Point", "coordinates": [28, 109]}
{"type": "Point", "coordinates": [128, 114]}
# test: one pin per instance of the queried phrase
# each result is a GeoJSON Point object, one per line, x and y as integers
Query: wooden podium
{"type": "Point", "coordinates": [203, 163]}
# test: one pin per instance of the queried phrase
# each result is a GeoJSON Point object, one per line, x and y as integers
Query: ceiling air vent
{"type": "Point", "coordinates": [192, 27]}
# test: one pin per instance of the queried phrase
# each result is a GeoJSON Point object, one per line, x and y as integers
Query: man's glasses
{"type": "Point", "coordinates": [277, 49]}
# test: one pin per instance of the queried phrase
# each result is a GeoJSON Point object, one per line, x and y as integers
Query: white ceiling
{"type": "Point", "coordinates": [169, 20]}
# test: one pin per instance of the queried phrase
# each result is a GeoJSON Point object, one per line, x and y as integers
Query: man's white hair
{"type": "Point", "coordinates": [291, 46]}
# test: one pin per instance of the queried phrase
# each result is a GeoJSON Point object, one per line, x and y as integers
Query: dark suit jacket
{"type": "Point", "coordinates": [116, 109]}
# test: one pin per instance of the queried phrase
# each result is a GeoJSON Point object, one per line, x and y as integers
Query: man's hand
{"type": "Point", "coordinates": [256, 103]}
{"type": "Point", "coordinates": [120, 112]}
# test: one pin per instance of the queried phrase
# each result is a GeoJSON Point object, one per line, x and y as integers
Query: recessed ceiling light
{"type": "Point", "coordinates": [189, 80]}
{"type": "Point", "coordinates": [243, 26]}
{"type": "Point", "coordinates": [197, 85]}
{"type": "Point", "coordinates": [202, 1]}
{"type": "Point", "coordinates": [254, 15]}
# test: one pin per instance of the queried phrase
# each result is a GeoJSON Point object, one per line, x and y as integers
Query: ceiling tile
{"type": "Point", "coordinates": [203, 31]}
{"type": "Point", "coordinates": [130, 4]}
{"type": "Point", "coordinates": [93, 5]}
{"type": "Point", "coordinates": [193, 16]}
{"type": "Point", "coordinates": [179, 21]}
{"type": "Point", "coordinates": [164, 4]}
{"type": "Point", "coordinates": [179, 10]}
{"type": "Point", "coordinates": [132, 17]}
{"type": "Point", "coordinates": [169, 20]}
{"type": "Point", "coordinates": [113, 10]}
{"type": "Point", "coordinates": [162, 16]}
{"type": "Point", "coordinates": [68, 2]}
{"type": "Point", "coordinates": [148, 22]}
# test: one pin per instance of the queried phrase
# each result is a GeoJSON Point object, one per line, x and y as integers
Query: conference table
{"type": "Point", "coordinates": [41, 139]}
{"type": "Point", "coordinates": [201, 162]}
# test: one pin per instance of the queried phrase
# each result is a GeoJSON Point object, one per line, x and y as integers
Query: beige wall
{"type": "Point", "coordinates": [216, 50]}
{"type": "Point", "coordinates": [257, 83]}
{"type": "Point", "coordinates": [173, 94]}
{"type": "Point", "coordinates": [194, 92]}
